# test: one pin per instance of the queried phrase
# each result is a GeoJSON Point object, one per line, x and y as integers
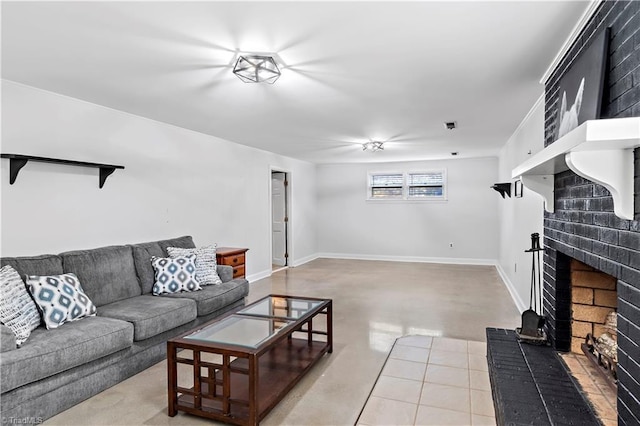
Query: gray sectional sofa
{"type": "Point", "coordinates": [56, 369]}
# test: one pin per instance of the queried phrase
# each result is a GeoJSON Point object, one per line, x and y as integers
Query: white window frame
{"type": "Point", "coordinates": [405, 186]}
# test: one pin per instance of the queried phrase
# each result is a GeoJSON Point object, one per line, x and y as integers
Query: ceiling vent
{"type": "Point", "coordinates": [450, 125]}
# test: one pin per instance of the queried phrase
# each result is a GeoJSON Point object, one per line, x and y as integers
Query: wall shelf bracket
{"type": "Point", "coordinates": [15, 164]}
{"type": "Point", "coordinates": [542, 185]}
{"type": "Point", "coordinates": [18, 161]}
{"type": "Point", "coordinates": [105, 172]}
{"type": "Point", "coordinates": [598, 150]}
{"type": "Point", "coordinates": [617, 176]}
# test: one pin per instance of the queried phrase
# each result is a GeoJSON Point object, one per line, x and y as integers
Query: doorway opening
{"type": "Point", "coordinates": [279, 220]}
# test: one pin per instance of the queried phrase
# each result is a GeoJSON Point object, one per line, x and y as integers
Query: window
{"type": "Point", "coordinates": [426, 185]}
{"type": "Point", "coordinates": [386, 186]}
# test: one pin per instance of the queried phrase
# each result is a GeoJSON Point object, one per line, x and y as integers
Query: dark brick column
{"type": "Point", "coordinates": [583, 225]}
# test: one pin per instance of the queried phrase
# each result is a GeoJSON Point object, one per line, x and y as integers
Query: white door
{"type": "Point", "coordinates": [278, 218]}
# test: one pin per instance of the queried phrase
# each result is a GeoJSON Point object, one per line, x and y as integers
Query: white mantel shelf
{"type": "Point", "coordinates": [598, 150]}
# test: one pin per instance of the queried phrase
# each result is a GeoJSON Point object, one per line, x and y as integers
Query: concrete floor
{"type": "Point", "coordinates": [374, 303]}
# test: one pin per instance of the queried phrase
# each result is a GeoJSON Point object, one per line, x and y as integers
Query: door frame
{"type": "Point", "coordinates": [288, 228]}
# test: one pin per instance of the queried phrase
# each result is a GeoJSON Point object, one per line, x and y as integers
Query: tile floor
{"type": "Point", "coordinates": [374, 303]}
{"type": "Point", "coordinates": [432, 381]}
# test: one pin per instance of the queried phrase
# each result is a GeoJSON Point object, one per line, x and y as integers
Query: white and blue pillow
{"type": "Point", "coordinates": [60, 298]}
{"type": "Point", "coordinates": [173, 275]}
{"type": "Point", "coordinates": [206, 264]}
{"type": "Point", "coordinates": [17, 309]}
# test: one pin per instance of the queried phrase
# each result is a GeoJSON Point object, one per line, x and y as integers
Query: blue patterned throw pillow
{"type": "Point", "coordinates": [174, 274]}
{"type": "Point", "coordinates": [17, 310]}
{"type": "Point", "coordinates": [60, 298]}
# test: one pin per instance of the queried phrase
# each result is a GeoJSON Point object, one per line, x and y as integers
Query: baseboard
{"type": "Point", "coordinates": [447, 260]}
{"type": "Point", "coordinates": [512, 291]}
{"type": "Point", "coordinates": [258, 276]}
{"type": "Point", "coordinates": [304, 260]}
{"type": "Point", "coordinates": [267, 273]}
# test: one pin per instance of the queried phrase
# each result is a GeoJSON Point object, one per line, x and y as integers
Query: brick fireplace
{"type": "Point", "coordinates": [584, 231]}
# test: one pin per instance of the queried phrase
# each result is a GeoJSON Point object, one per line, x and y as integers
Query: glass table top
{"type": "Point", "coordinates": [240, 330]}
{"type": "Point", "coordinates": [281, 307]}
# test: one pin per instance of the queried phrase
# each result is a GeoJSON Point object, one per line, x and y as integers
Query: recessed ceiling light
{"type": "Point", "coordinates": [450, 125]}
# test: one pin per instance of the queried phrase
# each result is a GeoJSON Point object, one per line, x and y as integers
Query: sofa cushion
{"type": "Point", "coordinates": [60, 298]}
{"type": "Point", "coordinates": [48, 352]}
{"type": "Point", "coordinates": [175, 274]}
{"type": "Point", "coordinates": [225, 272]}
{"type": "Point", "coordinates": [107, 274]}
{"type": "Point", "coordinates": [142, 254]}
{"type": "Point", "coordinates": [151, 315]}
{"type": "Point", "coordinates": [17, 309]}
{"type": "Point", "coordinates": [214, 297]}
{"type": "Point", "coordinates": [7, 339]}
{"type": "Point", "coordinates": [46, 264]}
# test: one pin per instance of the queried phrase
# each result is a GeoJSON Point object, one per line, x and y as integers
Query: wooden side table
{"type": "Point", "coordinates": [232, 256]}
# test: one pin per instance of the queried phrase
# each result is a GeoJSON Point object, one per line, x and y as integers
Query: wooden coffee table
{"type": "Point", "coordinates": [244, 363]}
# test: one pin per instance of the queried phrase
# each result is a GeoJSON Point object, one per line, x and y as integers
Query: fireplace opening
{"type": "Point", "coordinates": [593, 298]}
{"type": "Point", "coordinates": [592, 360]}
{"type": "Point", "coordinates": [594, 302]}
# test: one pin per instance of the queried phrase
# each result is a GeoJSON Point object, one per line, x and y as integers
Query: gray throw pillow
{"type": "Point", "coordinates": [206, 264]}
{"type": "Point", "coordinates": [17, 309]}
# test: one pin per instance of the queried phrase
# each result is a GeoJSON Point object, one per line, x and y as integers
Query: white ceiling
{"type": "Point", "coordinates": [352, 71]}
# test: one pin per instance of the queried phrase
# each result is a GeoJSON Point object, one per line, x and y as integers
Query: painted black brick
{"type": "Point", "coordinates": [629, 387]}
{"type": "Point", "coordinates": [609, 267]}
{"type": "Point", "coordinates": [583, 225]}
{"type": "Point", "coordinates": [634, 336]}
{"type": "Point", "coordinates": [630, 239]}
{"type": "Point", "coordinates": [609, 236]}
{"type": "Point", "coordinates": [620, 255]}
{"type": "Point", "coordinates": [629, 293]}
{"type": "Point", "coordinates": [623, 327]}
{"type": "Point", "coordinates": [530, 384]}
{"type": "Point", "coordinates": [631, 349]}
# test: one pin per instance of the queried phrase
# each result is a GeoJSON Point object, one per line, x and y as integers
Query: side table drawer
{"type": "Point", "coordinates": [234, 257]}
{"type": "Point", "coordinates": [238, 271]}
{"type": "Point", "coordinates": [236, 260]}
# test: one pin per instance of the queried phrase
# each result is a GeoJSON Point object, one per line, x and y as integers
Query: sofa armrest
{"type": "Point", "coordinates": [7, 339]}
{"type": "Point", "coordinates": [225, 272]}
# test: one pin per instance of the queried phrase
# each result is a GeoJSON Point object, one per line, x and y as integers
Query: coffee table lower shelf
{"type": "Point", "coordinates": [278, 370]}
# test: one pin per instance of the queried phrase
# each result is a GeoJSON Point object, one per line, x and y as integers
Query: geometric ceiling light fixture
{"type": "Point", "coordinates": [373, 146]}
{"type": "Point", "coordinates": [256, 69]}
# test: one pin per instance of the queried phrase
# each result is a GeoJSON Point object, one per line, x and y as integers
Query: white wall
{"type": "Point", "coordinates": [350, 226]}
{"type": "Point", "coordinates": [175, 182]}
{"type": "Point", "coordinates": [520, 217]}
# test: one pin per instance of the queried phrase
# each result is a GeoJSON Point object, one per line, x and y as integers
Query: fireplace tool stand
{"type": "Point", "coordinates": [532, 322]}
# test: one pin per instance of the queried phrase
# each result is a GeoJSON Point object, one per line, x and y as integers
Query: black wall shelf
{"type": "Point", "coordinates": [18, 161]}
{"type": "Point", "coordinates": [503, 188]}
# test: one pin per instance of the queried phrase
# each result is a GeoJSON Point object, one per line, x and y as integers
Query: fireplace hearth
{"type": "Point", "coordinates": [530, 384]}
